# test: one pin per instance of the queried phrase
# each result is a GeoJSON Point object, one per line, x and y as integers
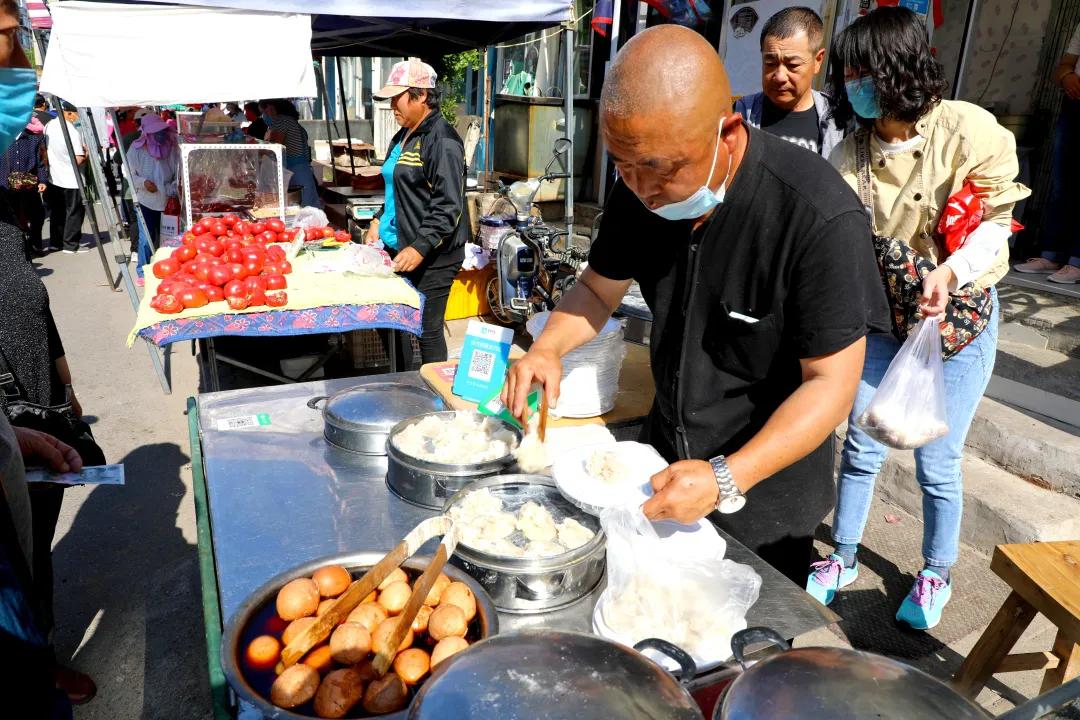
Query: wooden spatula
{"type": "Point", "coordinates": [541, 429]}
{"type": "Point", "coordinates": [319, 630]}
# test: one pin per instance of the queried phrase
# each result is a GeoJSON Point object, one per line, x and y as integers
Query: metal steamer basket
{"type": "Point", "coordinates": [360, 419]}
{"type": "Point", "coordinates": [238, 634]}
{"type": "Point", "coordinates": [429, 484]}
{"type": "Point", "coordinates": [534, 585]}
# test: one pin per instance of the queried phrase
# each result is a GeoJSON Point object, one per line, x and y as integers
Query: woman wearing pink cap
{"type": "Point", "coordinates": [154, 161]}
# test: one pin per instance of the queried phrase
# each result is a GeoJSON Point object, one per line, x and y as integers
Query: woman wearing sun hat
{"type": "Point", "coordinates": [422, 222]}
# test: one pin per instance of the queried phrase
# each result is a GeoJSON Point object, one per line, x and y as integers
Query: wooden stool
{"type": "Point", "coordinates": [1045, 578]}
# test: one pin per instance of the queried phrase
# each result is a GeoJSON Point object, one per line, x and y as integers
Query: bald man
{"type": "Point", "coordinates": [762, 283]}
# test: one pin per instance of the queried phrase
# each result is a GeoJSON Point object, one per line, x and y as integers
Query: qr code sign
{"type": "Point", "coordinates": [481, 365]}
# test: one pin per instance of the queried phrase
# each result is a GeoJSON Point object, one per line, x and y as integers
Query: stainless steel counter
{"type": "Point", "coordinates": [280, 496]}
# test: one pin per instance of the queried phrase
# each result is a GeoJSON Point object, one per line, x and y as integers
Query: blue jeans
{"type": "Point", "coordinates": [1062, 239]}
{"type": "Point", "coordinates": [153, 226]}
{"type": "Point", "coordinates": [937, 464]}
{"type": "Point", "coordinates": [304, 178]}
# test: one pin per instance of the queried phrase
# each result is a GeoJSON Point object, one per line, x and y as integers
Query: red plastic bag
{"type": "Point", "coordinates": [962, 214]}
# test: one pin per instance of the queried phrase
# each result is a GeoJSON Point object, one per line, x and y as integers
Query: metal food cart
{"type": "Point", "coordinates": [271, 494]}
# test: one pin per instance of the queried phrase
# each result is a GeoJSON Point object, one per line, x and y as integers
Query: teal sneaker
{"type": "Point", "coordinates": [922, 607]}
{"type": "Point", "coordinates": [828, 576]}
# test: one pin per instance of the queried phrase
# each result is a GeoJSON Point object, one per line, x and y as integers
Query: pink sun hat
{"type": "Point", "coordinates": [411, 73]}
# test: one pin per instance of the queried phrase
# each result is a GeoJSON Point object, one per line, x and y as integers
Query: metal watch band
{"type": "Point", "coordinates": [725, 483]}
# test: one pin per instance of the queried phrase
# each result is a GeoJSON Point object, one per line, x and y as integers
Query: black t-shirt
{"type": "Point", "coordinates": [799, 127]}
{"type": "Point", "coordinates": [784, 269]}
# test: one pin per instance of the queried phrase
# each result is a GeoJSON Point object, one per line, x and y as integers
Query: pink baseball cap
{"type": "Point", "coordinates": [411, 73]}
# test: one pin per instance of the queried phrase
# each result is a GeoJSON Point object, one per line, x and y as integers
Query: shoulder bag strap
{"type": "Point", "coordinates": [862, 172]}
{"type": "Point", "coordinates": [10, 387]}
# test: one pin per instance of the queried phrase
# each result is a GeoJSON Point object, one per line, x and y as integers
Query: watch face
{"type": "Point", "coordinates": [732, 504]}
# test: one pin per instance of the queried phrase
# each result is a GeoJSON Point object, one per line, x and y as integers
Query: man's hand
{"type": "Point", "coordinates": [150, 186]}
{"type": "Point", "coordinates": [685, 492]}
{"type": "Point", "coordinates": [935, 291]}
{"type": "Point", "coordinates": [44, 448]}
{"type": "Point", "coordinates": [538, 366]}
{"type": "Point", "coordinates": [372, 235]}
{"type": "Point", "coordinates": [42, 187]}
{"type": "Point", "coordinates": [1071, 85]}
{"type": "Point", "coordinates": [407, 260]}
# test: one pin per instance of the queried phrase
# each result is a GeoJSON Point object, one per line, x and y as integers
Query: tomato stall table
{"type": "Point", "coordinates": [272, 494]}
{"type": "Point", "coordinates": [322, 303]}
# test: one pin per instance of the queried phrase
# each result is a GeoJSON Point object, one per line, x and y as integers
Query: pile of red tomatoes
{"type": "Point", "coordinates": [227, 260]}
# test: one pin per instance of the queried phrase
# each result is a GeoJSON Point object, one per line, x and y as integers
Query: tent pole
{"type": "Point", "coordinates": [485, 92]}
{"type": "Point", "coordinates": [112, 211]}
{"type": "Point", "coordinates": [568, 100]}
{"type": "Point", "coordinates": [320, 78]}
{"type": "Point", "coordinates": [82, 191]}
{"type": "Point", "coordinates": [616, 19]}
{"type": "Point", "coordinates": [345, 112]}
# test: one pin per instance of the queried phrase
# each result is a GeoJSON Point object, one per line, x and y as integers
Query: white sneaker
{"type": "Point", "coordinates": [69, 252]}
{"type": "Point", "coordinates": [1068, 275]}
{"type": "Point", "coordinates": [1037, 266]}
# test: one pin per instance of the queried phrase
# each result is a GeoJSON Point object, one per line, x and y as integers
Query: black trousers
{"type": "Point", "coordinates": [30, 214]}
{"type": "Point", "coordinates": [45, 502]}
{"type": "Point", "coordinates": [434, 283]}
{"type": "Point", "coordinates": [66, 214]}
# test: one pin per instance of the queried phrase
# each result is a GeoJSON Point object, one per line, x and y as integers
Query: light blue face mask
{"type": "Point", "coordinates": [862, 95]}
{"type": "Point", "coordinates": [18, 87]}
{"type": "Point", "coordinates": [704, 199]}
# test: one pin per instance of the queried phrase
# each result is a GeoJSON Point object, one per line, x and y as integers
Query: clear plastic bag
{"type": "Point", "coordinates": [310, 217]}
{"type": "Point", "coordinates": [908, 409]}
{"type": "Point", "coordinates": [687, 594]}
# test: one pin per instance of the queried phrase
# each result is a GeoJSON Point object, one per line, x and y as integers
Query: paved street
{"type": "Point", "coordinates": [128, 608]}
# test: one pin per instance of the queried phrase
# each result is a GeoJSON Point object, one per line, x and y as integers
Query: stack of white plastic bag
{"type": "Point", "coordinates": [676, 586]}
{"type": "Point", "coordinates": [908, 409]}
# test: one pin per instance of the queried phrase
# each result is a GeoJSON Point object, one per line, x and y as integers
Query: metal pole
{"type": "Point", "coordinates": [961, 62]}
{"type": "Point", "coordinates": [485, 88]}
{"type": "Point", "coordinates": [345, 112]}
{"type": "Point", "coordinates": [616, 20]}
{"type": "Point", "coordinates": [82, 191]}
{"type": "Point", "coordinates": [568, 100]}
{"type": "Point", "coordinates": [320, 77]}
{"type": "Point", "coordinates": [97, 168]}
{"type": "Point", "coordinates": [489, 110]}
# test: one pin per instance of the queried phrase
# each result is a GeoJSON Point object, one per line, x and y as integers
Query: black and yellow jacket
{"type": "Point", "coordinates": [429, 192]}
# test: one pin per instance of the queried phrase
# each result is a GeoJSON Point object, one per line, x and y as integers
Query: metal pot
{"type": "Point", "coordinates": [554, 675]}
{"type": "Point", "coordinates": [534, 585]}
{"type": "Point", "coordinates": [429, 484]}
{"type": "Point", "coordinates": [834, 683]}
{"type": "Point", "coordinates": [359, 419]}
{"type": "Point", "coordinates": [232, 644]}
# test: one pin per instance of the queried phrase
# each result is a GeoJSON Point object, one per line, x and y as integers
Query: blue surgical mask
{"type": "Point", "coordinates": [702, 201]}
{"type": "Point", "coordinates": [862, 95]}
{"type": "Point", "coordinates": [266, 118]}
{"type": "Point", "coordinates": [16, 102]}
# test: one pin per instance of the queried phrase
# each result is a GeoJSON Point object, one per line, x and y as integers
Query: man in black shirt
{"type": "Point", "coordinates": [762, 283]}
{"type": "Point", "coordinates": [792, 53]}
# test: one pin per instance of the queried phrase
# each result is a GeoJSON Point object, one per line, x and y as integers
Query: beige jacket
{"type": "Point", "coordinates": [961, 142]}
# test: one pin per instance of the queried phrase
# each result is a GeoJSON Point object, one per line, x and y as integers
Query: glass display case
{"type": "Point", "coordinates": [218, 179]}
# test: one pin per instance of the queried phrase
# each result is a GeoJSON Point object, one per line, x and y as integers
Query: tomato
{"type": "Point", "coordinates": [272, 268]}
{"type": "Point", "coordinates": [184, 277]}
{"type": "Point", "coordinates": [218, 229]}
{"type": "Point", "coordinates": [257, 227]}
{"type": "Point", "coordinates": [202, 272]}
{"type": "Point", "coordinates": [165, 268]}
{"type": "Point", "coordinates": [328, 232]}
{"type": "Point", "coordinates": [205, 237]}
{"type": "Point", "coordinates": [287, 235]}
{"type": "Point", "coordinates": [183, 254]}
{"type": "Point", "coordinates": [342, 236]}
{"type": "Point", "coordinates": [220, 274]}
{"type": "Point", "coordinates": [275, 224]}
{"type": "Point", "coordinates": [198, 228]}
{"type": "Point", "coordinates": [255, 282]}
{"type": "Point", "coordinates": [215, 248]}
{"type": "Point", "coordinates": [235, 255]}
{"type": "Point", "coordinates": [237, 270]}
{"type": "Point", "coordinates": [167, 304]}
{"type": "Point", "coordinates": [274, 253]}
{"type": "Point", "coordinates": [214, 294]}
{"type": "Point", "coordinates": [277, 299]}
{"type": "Point", "coordinates": [188, 238]}
{"type": "Point", "coordinates": [268, 237]}
{"type": "Point", "coordinates": [256, 298]}
{"type": "Point", "coordinates": [232, 243]}
{"type": "Point", "coordinates": [253, 266]}
{"type": "Point", "coordinates": [255, 252]}
{"type": "Point", "coordinates": [193, 298]}
{"type": "Point", "coordinates": [276, 282]}
{"type": "Point", "coordinates": [236, 302]}
{"type": "Point", "coordinates": [285, 267]}
{"type": "Point", "coordinates": [230, 219]}
{"type": "Point", "coordinates": [235, 288]}
{"type": "Point", "coordinates": [242, 227]}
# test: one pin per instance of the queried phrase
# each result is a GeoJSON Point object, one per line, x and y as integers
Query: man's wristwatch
{"type": "Point", "coordinates": [730, 499]}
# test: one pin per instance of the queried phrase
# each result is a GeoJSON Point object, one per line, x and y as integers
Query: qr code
{"type": "Point", "coordinates": [238, 423]}
{"type": "Point", "coordinates": [481, 365]}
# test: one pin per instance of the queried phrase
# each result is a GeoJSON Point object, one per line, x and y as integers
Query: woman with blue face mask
{"type": "Point", "coordinates": [915, 150]}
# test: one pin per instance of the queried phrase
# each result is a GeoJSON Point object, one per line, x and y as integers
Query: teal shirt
{"type": "Point", "coordinates": [388, 223]}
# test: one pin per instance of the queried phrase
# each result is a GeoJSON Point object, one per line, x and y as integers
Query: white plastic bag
{"type": "Point", "coordinates": [310, 217]}
{"type": "Point", "coordinates": [696, 600]}
{"type": "Point", "coordinates": [908, 409]}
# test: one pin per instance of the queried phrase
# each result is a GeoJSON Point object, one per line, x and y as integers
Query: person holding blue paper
{"type": "Point", "coordinates": [762, 282]}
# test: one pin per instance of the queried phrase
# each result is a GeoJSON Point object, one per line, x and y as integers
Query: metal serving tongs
{"type": "Point", "coordinates": [320, 630]}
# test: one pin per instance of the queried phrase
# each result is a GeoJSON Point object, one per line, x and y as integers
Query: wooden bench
{"type": "Point", "coordinates": [1045, 578]}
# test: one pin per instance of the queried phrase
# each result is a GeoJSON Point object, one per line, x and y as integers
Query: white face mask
{"type": "Point", "coordinates": [704, 199]}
